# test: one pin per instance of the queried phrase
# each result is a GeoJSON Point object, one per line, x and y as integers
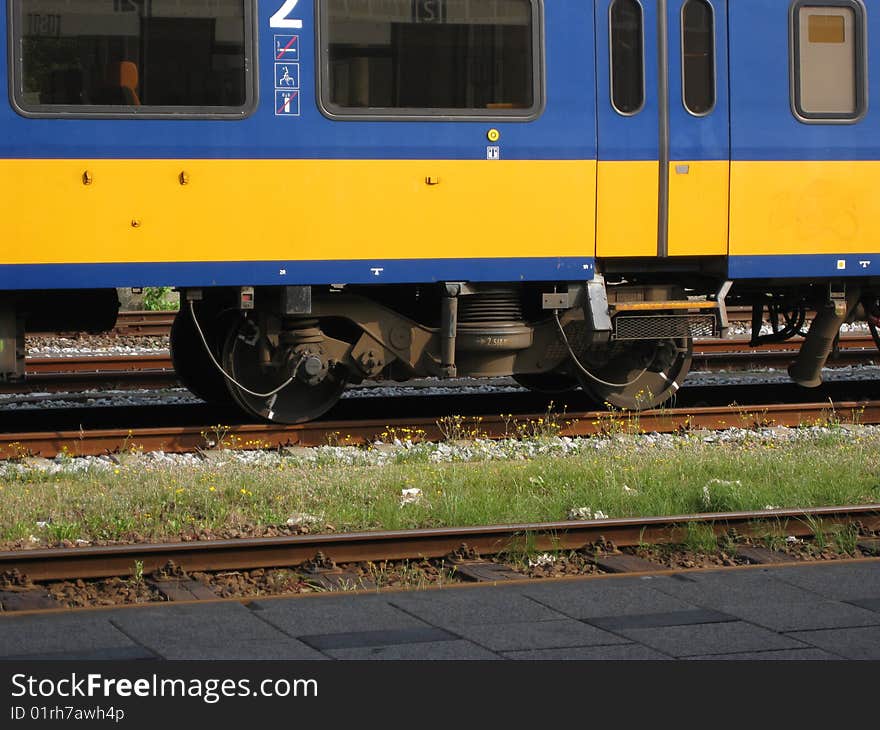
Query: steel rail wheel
{"type": "Point", "coordinates": [255, 363]}
{"type": "Point", "coordinates": [189, 359]}
{"type": "Point", "coordinates": [638, 374]}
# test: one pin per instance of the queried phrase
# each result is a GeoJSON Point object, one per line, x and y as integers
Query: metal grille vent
{"type": "Point", "coordinates": [647, 327]}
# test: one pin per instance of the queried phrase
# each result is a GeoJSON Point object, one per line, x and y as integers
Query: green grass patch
{"type": "Point", "coordinates": [339, 489]}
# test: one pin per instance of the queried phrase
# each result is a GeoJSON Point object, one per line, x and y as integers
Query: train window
{"type": "Point", "coordinates": [627, 56]}
{"type": "Point", "coordinates": [698, 57]}
{"type": "Point", "coordinates": [133, 58]}
{"type": "Point", "coordinates": [430, 58]}
{"type": "Point", "coordinates": [828, 69]}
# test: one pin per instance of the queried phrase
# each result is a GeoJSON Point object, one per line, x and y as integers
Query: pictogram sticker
{"type": "Point", "coordinates": [286, 103]}
{"type": "Point", "coordinates": [287, 48]}
{"type": "Point", "coordinates": [286, 76]}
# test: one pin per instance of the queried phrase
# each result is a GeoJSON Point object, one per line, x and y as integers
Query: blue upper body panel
{"type": "Point", "coordinates": [565, 130]}
{"type": "Point", "coordinates": [763, 126]}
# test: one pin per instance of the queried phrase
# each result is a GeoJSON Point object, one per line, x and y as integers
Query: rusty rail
{"type": "Point", "coordinates": [99, 562]}
{"type": "Point", "coordinates": [132, 324]}
{"type": "Point", "coordinates": [321, 433]}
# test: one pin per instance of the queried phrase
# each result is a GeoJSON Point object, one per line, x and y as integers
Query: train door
{"type": "Point", "coordinates": [664, 128]}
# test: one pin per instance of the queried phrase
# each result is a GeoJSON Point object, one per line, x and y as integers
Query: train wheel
{"type": "Point", "coordinates": [191, 362]}
{"type": "Point", "coordinates": [639, 374]}
{"type": "Point", "coordinates": [551, 383]}
{"type": "Point", "coordinates": [288, 385]}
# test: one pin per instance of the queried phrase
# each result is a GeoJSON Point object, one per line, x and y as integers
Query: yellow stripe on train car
{"type": "Point", "coordinates": [238, 210]}
{"type": "Point", "coordinates": [811, 207]}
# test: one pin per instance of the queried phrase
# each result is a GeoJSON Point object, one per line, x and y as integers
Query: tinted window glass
{"type": "Point", "coordinates": [698, 56]}
{"type": "Point", "coordinates": [627, 57]}
{"type": "Point", "coordinates": [477, 55]}
{"type": "Point", "coordinates": [131, 53]}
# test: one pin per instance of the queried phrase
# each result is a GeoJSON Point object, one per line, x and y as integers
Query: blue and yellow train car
{"type": "Point", "coordinates": [564, 191]}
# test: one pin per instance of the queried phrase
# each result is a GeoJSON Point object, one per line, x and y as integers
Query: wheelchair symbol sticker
{"type": "Point", "coordinates": [286, 75]}
{"type": "Point", "coordinates": [286, 103]}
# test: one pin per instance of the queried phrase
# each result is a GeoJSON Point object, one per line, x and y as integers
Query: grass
{"type": "Point", "coordinates": [461, 484]}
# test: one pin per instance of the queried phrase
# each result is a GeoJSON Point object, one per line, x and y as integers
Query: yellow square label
{"type": "Point", "coordinates": [826, 29]}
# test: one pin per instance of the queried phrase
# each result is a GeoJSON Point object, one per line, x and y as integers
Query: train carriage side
{"type": "Point", "coordinates": [804, 215]}
{"type": "Point", "coordinates": [353, 189]}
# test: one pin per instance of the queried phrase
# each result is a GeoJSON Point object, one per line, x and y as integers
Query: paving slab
{"type": "Point", "coordinates": [429, 650]}
{"type": "Point", "coordinates": [537, 635]}
{"type": "Point", "coordinates": [388, 637]}
{"type": "Point", "coordinates": [484, 605]}
{"type": "Point", "coordinates": [853, 643]}
{"type": "Point", "coordinates": [171, 629]}
{"type": "Point", "coordinates": [334, 614]}
{"type": "Point", "coordinates": [841, 582]}
{"type": "Point", "coordinates": [872, 604]}
{"type": "Point", "coordinates": [60, 634]}
{"type": "Point", "coordinates": [609, 597]}
{"type": "Point", "coordinates": [716, 638]}
{"type": "Point", "coordinates": [597, 653]}
{"type": "Point", "coordinates": [654, 620]}
{"type": "Point", "coordinates": [760, 598]}
{"type": "Point", "coordinates": [116, 654]}
{"type": "Point", "coordinates": [798, 655]}
{"type": "Point", "coordinates": [279, 650]}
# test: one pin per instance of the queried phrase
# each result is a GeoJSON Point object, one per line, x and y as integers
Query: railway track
{"type": "Point", "coordinates": [158, 324]}
{"type": "Point", "coordinates": [328, 558]}
{"type": "Point", "coordinates": [131, 324]}
{"type": "Point", "coordinates": [87, 440]}
{"type": "Point", "coordinates": [59, 374]}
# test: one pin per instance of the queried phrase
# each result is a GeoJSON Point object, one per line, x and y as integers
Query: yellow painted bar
{"type": "Point", "coordinates": [698, 207]}
{"type": "Point", "coordinates": [809, 207]}
{"type": "Point", "coordinates": [239, 210]}
{"type": "Point", "coordinates": [626, 215]}
{"type": "Point", "coordinates": [649, 306]}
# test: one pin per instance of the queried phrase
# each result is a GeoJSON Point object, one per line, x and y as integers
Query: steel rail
{"type": "Point", "coordinates": [852, 346]}
{"type": "Point", "coordinates": [158, 323]}
{"type": "Point", "coordinates": [269, 552]}
{"type": "Point", "coordinates": [133, 324]}
{"type": "Point", "coordinates": [98, 364]}
{"type": "Point", "coordinates": [320, 433]}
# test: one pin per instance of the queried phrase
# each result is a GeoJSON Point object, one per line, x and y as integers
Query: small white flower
{"type": "Point", "coordinates": [43, 524]}
{"type": "Point", "coordinates": [771, 506]}
{"type": "Point", "coordinates": [580, 513]}
{"type": "Point", "coordinates": [599, 515]}
{"type": "Point", "coordinates": [629, 490]}
{"type": "Point", "coordinates": [791, 539]}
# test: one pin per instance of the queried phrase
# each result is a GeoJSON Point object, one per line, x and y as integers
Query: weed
{"type": "Point", "coordinates": [137, 573]}
{"type": "Point", "coordinates": [159, 298]}
{"type": "Point", "coordinates": [700, 538]}
{"type": "Point", "coordinates": [217, 436]}
{"type": "Point", "coordinates": [820, 533]}
{"type": "Point", "coordinates": [846, 539]}
{"type": "Point", "coordinates": [457, 428]}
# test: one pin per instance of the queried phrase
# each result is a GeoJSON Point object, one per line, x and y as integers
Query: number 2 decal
{"type": "Point", "coordinates": [282, 18]}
